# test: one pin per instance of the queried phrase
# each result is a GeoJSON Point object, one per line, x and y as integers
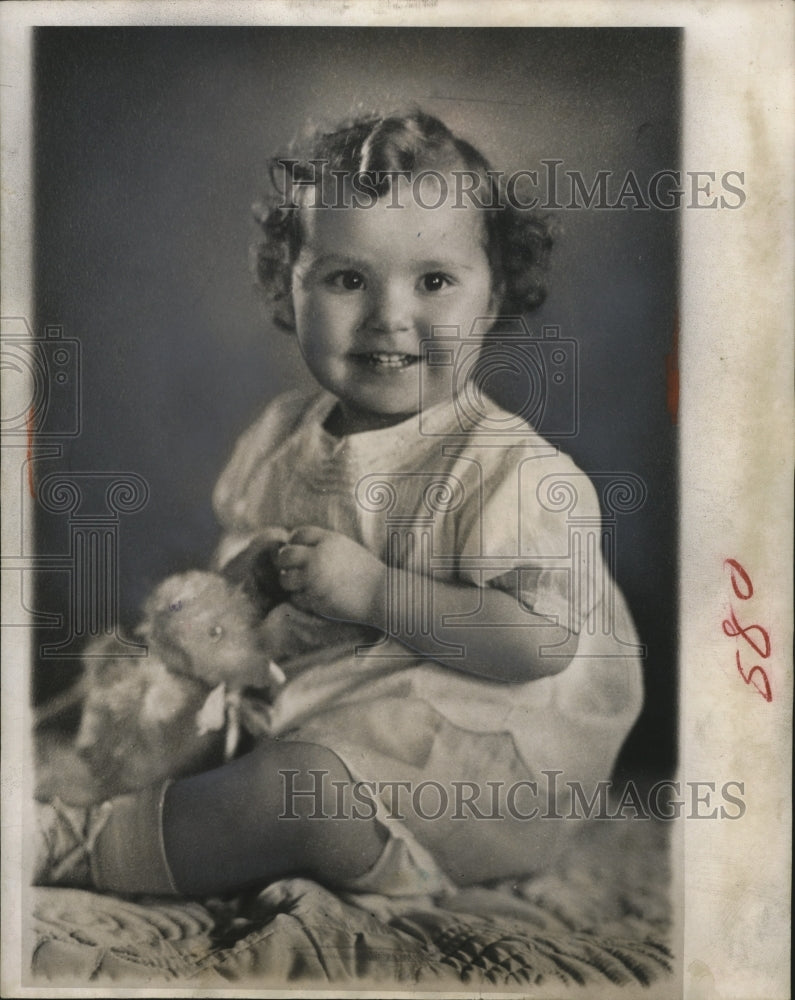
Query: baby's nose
{"type": "Point", "coordinates": [390, 311]}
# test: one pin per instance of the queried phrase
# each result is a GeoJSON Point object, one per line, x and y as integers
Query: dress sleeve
{"type": "Point", "coordinates": [537, 535]}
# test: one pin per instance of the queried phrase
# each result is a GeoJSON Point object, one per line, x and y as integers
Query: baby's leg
{"type": "Point", "coordinates": [230, 826]}
{"type": "Point", "coordinates": [216, 831]}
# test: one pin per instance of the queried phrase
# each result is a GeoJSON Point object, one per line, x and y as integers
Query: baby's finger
{"type": "Point", "coordinates": [272, 537]}
{"type": "Point", "coordinates": [292, 580]}
{"type": "Point", "coordinates": [307, 534]}
{"type": "Point", "coordinates": [291, 556]}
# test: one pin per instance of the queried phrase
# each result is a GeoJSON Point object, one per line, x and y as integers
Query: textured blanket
{"type": "Point", "coordinates": [600, 916]}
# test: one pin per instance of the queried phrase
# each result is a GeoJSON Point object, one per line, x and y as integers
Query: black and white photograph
{"type": "Point", "coordinates": [392, 600]}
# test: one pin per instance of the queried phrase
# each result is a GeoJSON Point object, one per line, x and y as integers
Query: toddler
{"type": "Point", "coordinates": [495, 659]}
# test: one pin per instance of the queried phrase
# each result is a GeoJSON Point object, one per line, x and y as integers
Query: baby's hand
{"type": "Point", "coordinates": [330, 574]}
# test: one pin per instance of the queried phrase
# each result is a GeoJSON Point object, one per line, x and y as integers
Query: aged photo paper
{"type": "Point", "coordinates": [397, 422]}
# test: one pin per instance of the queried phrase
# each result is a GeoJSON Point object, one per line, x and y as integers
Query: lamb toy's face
{"type": "Point", "coordinates": [144, 718]}
{"type": "Point", "coordinates": [141, 716]}
{"type": "Point", "coordinates": [205, 626]}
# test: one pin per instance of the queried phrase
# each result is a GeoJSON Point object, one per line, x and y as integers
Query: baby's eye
{"type": "Point", "coordinates": [435, 282]}
{"type": "Point", "coordinates": [350, 281]}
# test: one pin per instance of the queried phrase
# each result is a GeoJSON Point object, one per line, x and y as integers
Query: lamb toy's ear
{"type": "Point", "coordinates": [254, 567]}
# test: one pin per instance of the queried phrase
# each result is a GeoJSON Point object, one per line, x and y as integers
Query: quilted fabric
{"type": "Point", "coordinates": [600, 917]}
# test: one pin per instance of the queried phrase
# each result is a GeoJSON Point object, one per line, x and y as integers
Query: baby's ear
{"type": "Point", "coordinates": [274, 275]}
{"type": "Point", "coordinates": [283, 312]}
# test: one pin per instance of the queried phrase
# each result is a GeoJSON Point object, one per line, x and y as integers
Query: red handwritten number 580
{"type": "Point", "coordinates": [744, 589]}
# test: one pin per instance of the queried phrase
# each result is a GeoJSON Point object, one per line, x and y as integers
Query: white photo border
{"type": "Point", "coordinates": [735, 445]}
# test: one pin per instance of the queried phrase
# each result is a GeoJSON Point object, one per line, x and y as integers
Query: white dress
{"type": "Point", "coordinates": [492, 505]}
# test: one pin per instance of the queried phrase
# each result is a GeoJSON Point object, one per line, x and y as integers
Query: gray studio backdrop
{"type": "Point", "coordinates": [151, 146]}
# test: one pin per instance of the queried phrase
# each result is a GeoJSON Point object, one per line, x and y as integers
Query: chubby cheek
{"type": "Point", "coordinates": [316, 347]}
{"type": "Point", "coordinates": [326, 328]}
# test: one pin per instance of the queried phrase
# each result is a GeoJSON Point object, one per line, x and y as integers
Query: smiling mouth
{"type": "Point", "coordinates": [382, 360]}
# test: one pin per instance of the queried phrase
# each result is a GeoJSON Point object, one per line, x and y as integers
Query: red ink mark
{"type": "Point", "coordinates": [732, 628]}
{"type": "Point", "coordinates": [672, 375]}
{"type": "Point", "coordinates": [767, 694]}
{"type": "Point", "coordinates": [737, 568]}
{"type": "Point", "coordinates": [30, 428]}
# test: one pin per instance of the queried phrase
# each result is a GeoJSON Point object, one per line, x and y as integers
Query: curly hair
{"type": "Point", "coordinates": [375, 148]}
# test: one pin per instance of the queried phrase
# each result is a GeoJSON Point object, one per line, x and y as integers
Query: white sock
{"type": "Point", "coordinates": [401, 870]}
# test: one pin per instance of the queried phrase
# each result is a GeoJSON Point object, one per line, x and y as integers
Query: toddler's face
{"type": "Point", "coordinates": [368, 286]}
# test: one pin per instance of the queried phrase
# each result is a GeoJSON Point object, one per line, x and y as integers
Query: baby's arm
{"type": "Point", "coordinates": [331, 575]}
